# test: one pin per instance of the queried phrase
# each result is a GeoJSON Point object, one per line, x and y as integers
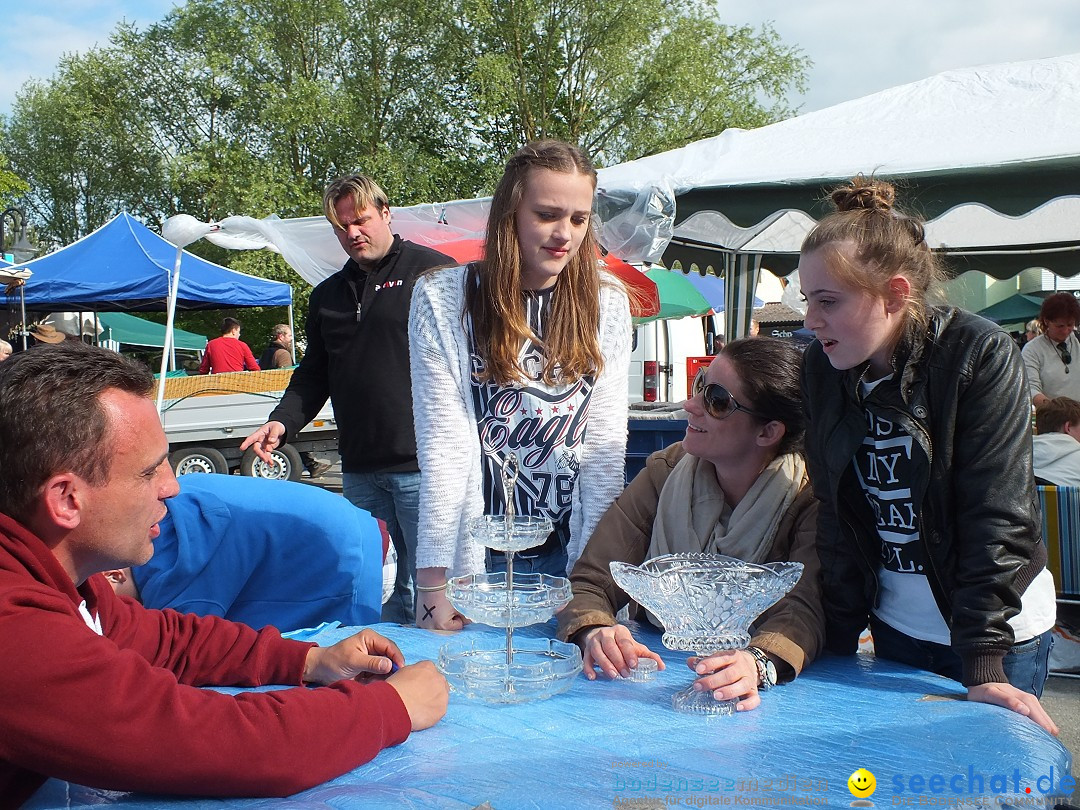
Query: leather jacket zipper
{"type": "Point", "coordinates": [869, 563]}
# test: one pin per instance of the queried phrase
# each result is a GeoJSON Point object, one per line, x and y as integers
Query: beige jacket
{"type": "Point", "coordinates": [792, 630]}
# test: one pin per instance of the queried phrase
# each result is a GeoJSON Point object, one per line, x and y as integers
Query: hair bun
{"type": "Point", "coordinates": [864, 193]}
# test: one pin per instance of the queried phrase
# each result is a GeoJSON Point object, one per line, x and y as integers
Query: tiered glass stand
{"type": "Point", "coordinates": [523, 669]}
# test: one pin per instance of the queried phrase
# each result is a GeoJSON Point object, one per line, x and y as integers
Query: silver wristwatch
{"type": "Point", "coordinates": [766, 669]}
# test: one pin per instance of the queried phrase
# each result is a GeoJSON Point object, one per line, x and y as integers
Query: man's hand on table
{"type": "Point", "coordinates": [365, 655]}
{"type": "Point", "coordinates": [362, 655]}
{"type": "Point", "coordinates": [614, 652]}
{"type": "Point", "coordinates": [424, 691]}
{"type": "Point", "coordinates": [1017, 700]}
{"type": "Point", "coordinates": [730, 674]}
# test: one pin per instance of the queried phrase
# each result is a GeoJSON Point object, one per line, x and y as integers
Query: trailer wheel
{"type": "Point", "coordinates": [287, 465]}
{"type": "Point", "coordinates": [198, 460]}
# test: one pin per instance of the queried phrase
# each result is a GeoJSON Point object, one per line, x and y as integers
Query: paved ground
{"type": "Point", "coordinates": [1061, 696]}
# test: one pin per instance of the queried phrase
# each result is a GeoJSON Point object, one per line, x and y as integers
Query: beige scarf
{"type": "Point", "coordinates": [692, 514]}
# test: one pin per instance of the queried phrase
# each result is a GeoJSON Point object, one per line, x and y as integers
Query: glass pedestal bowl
{"type": "Point", "coordinates": [481, 669]}
{"type": "Point", "coordinates": [706, 603]}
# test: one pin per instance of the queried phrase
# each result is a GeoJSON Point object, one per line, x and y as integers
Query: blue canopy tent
{"type": "Point", "coordinates": [123, 266]}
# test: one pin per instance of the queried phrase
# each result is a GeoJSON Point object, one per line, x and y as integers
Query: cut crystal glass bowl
{"type": "Point", "coordinates": [484, 598]}
{"type": "Point", "coordinates": [706, 603]}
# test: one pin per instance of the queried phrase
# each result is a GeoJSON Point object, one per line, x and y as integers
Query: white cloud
{"type": "Point", "coordinates": [861, 46]}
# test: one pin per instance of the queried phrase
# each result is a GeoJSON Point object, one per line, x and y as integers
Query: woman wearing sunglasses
{"type": "Point", "coordinates": [735, 485]}
{"type": "Point", "coordinates": [526, 353]}
{"type": "Point", "coordinates": [1053, 358]}
{"type": "Point", "coordinates": [919, 446]}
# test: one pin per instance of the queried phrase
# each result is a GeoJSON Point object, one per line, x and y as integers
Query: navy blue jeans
{"type": "Point", "coordinates": [1026, 664]}
{"type": "Point", "coordinates": [395, 499]}
{"type": "Point", "coordinates": [549, 561]}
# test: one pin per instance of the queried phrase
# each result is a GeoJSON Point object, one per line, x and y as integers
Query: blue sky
{"type": "Point", "coordinates": [858, 46]}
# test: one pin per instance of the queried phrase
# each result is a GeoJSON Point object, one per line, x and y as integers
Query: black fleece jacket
{"type": "Point", "coordinates": [358, 356]}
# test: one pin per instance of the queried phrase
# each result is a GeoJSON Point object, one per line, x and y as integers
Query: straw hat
{"type": "Point", "coordinates": [47, 333]}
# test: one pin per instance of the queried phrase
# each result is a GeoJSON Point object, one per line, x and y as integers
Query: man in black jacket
{"type": "Point", "coordinates": [358, 356]}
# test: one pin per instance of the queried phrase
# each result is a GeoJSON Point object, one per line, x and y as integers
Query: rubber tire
{"type": "Point", "coordinates": [288, 468]}
{"type": "Point", "coordinates": [190, 460]}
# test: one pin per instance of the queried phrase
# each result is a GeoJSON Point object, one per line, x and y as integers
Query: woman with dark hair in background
{"type": "Point", "coordinates": [1052, 357]}
{"type": "Point", "coordinates": [735, 485]}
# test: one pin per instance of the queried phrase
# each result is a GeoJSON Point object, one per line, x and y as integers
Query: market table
{"type": "Point", "coordinates": [619, 744]}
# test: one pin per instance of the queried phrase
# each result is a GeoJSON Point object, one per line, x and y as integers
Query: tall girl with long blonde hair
{"type": "Point", "coordinates": [919, 446]}
{"type": "Point", "coordinates": [524, 352]}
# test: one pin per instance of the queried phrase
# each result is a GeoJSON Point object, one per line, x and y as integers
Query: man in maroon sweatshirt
{"type": "Point", "coordinates": [100, 691]}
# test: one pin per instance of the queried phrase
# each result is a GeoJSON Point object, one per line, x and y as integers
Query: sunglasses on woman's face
{"type": "Point", "coordinates": [718, 401]}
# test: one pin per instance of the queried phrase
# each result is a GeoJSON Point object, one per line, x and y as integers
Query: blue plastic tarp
{"type": "Point", "coordinates": [619, 744]}
{"type": "Point", "coordinates": [123, 266]}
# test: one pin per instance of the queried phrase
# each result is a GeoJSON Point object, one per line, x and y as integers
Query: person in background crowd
{"type": "Point", "coordinates": [1051, 357]}
{"type": "Point", "coordinates": [1056, 446]}
{"type": "Point", "coordinates": [5, 350]}
{"type": "Point", "coordinates": [358, 355]}
{"type": "Point", "coordinates": [278, 354]}
{"type": "Point", "coordinates": [96, 681]}
{"type": "Point", "coordinates": [919, 448]}
{"type": "Point", "coordinates": [1032, 330]}
{"type": "Point", "coordinates": [735, 485]}
{"type": "Point", "coordinates": [228, 353]}
{"type": "Point", "coordinates": [47, 334]}
{"type": "Point", "coordinates": [524, 352]}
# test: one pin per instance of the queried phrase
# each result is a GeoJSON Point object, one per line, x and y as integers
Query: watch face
{"type": "Point", "coordinates": [770, 672]}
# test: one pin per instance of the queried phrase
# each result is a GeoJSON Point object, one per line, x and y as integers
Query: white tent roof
{"type": "Point", "coordinates": [974, 234]}
{"type": "Point", "coordinates": [995, 115]}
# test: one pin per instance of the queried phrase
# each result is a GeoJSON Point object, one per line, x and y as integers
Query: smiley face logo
{"type": "Point", "coordinates": [862, 783]}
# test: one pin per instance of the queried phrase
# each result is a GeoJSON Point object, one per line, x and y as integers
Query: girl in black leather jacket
{"type": "Point", "coordinates": [919, 448]}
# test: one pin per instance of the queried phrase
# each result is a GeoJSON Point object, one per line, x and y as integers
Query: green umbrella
{"type": "Point", "coordinates": [678, 297]}
{"type": "Point", "coordinates": [1018, 308]}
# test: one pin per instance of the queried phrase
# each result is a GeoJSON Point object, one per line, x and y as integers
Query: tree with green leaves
{"type": "Point", "coordinates": [79, 152]}
{"type": "Point", "coordinates": [622, 78]}
{"type": "Point", "coordinates": [229, 107]}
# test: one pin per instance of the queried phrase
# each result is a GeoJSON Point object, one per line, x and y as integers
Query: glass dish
{"type": "Point", "coordinates": [478, 669]}
{"type": "Point", "coordinates": [484, 598]}
{"type": "Point", "coordinates": [644, 672]}
{"type": "Point", "coordinates": [707, 603]}
{"type": "Point", "coordinates": [525, 532]}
